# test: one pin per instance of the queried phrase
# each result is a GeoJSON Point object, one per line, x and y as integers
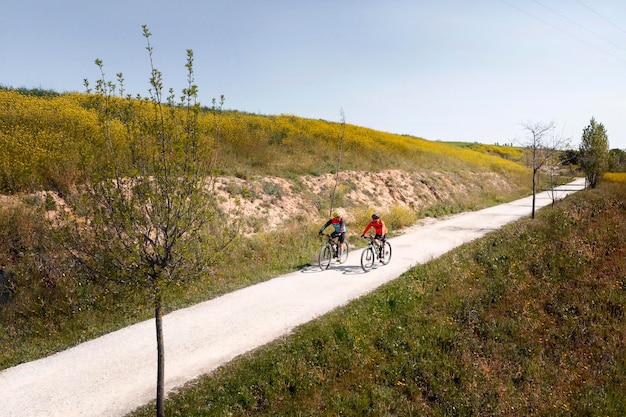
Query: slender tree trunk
{"type": "Point", "coordinates": [158, 318]}
{"type": "Point", "coordinates": [532, 216]}
{"type": "Point", "coordinates": [343, 134]}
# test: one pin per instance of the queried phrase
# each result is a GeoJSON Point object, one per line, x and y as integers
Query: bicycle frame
{"type": "Point", "coordinates": [372, 253]}
{"type": "Point", "coordinates": [330, 250]}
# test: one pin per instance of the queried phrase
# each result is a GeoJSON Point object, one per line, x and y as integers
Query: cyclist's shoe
{"type": "Point", "coordinates": [382, 259]}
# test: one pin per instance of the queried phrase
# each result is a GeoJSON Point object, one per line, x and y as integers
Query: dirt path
{"type": "Point", "coordinates": [116, 373]}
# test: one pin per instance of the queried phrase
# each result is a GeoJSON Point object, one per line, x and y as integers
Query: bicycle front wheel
{"type": "Point", "coordinates": [325, 257]}
{"type": "Point", "coordinates": [386, 253]}
{"type": "Point", "coordinates": [367, 259]}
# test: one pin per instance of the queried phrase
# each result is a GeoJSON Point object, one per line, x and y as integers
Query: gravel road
{"type": "Point", "coordinates": [116, 373]}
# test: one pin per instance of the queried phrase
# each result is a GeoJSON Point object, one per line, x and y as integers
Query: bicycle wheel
{"type": "Point", "coordinates": [344, 254]}
{"type": "Point", "coordinates": [367, 258]}
{"type": "Point", "coordinates": [386, 253]}
{"type": "Point", "coordinates": [325, 257]}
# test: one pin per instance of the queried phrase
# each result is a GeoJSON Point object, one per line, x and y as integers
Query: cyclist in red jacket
{"type": "Point", "coordinates": [340, 229]}
{"type": "Point", "coordinates": [381, 231]}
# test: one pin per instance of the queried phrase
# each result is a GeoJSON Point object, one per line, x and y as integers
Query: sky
{"type": "Point", "coordinates": [451, 70]}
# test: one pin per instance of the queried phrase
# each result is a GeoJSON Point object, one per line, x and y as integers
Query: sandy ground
{"type": "Point", "coordinates": [116, 373]}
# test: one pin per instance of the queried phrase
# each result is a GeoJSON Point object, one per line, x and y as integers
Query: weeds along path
{"type": "Point", "coordinates": [116, 373]}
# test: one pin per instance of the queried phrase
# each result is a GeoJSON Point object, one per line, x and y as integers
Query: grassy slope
{"type": "Point", "coordinates": [512, 153]}
{"type": "Point", "coordinates": [526, 321]}
{"type": "Point", "coordinates": [48, 142]}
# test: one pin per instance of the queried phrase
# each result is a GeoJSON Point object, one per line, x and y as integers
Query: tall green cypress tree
{"type": "Point", "coordinates": [594, 152]}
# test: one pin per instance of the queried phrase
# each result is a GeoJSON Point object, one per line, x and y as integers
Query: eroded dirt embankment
{"type": "Point", "coordinates": [277, 199]}
{"type": "Point", "coordinates": [266, 202]}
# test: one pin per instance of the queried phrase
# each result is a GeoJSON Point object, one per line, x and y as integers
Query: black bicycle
{"type": "Point", "coordinates": [330, 252]}
{"type": "Point", "coordinates": [376, 250]}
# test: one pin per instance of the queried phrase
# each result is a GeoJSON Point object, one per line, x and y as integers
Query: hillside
{"type": "Point", "coordinates": [52, 143]}
{"type": "Point", "coordinates": [274, 173]}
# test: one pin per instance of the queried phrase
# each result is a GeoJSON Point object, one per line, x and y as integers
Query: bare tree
{"type": "Point", "coordinates": [152, 219]}
{"type": "Point", "coordinates": [542, 144]}
{"type": "Point", "coordinates": [554, 166]}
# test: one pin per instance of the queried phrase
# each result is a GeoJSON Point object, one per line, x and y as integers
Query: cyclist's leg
{"type": "Point", "coordinates": [334, 235]}
{"type": "Point", "coordinates": [342, 239]}
{"type": "Point", "coordinates": [380, 242]}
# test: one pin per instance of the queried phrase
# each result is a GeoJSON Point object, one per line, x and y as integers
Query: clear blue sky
{"type": "Point", "coordinates": [443, 70]}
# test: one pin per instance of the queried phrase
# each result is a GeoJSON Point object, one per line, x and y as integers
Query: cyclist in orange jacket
{"type": "Point", "coordinates": [340, 229]}
{"type": "Point", "coordinates": [379, 228]}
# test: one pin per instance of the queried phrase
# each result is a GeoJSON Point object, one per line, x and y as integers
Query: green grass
{"type": "Point", "coordinates": [512, 153]}
{"type": "Point", "coordinates": [52, 308]}
{"type": "Point", "coordinates": [526, 321]}
{"type": "Point", "coordinates": [51, 141]}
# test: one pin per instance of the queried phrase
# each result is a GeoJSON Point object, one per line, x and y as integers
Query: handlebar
{"type": "Point", "coordinates": [329, 236]}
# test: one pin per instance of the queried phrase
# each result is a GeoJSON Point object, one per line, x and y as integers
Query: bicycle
{"type": "Point", "coordinates": [374, 251]}
{"type": "Point", "coordinates": [329, 252]}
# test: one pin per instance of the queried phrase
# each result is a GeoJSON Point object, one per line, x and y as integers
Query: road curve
{"type": "Point", "coordinates": [116, 373]}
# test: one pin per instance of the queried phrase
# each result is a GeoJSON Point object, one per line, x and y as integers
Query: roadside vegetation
{"type": "Point", "coordinates": [525, 321]}
{"type": "Point", "coordinates": [51, 144]}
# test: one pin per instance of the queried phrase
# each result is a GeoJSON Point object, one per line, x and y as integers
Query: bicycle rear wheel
{"type": "Point", "coordinates": [367, 258]}
{"type": "Point", "coordinates": [325, 257]}
{"type": "Point", "coordinates": [386, 253]}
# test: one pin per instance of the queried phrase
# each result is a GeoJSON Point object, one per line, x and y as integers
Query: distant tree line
{"type": "Point", "coordinates": [616, 160]}
{"type": "Point", "coordinates": [38, 92]}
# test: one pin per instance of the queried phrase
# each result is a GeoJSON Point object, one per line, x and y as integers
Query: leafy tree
{"type": "Point", "coordinates": [543, 147]}
{"type": "Point", "coordinates": [569, 157]}
{"type": "Point", "coordinates": [594, 152]}
{"type": "Point", "coordinates": [617, 160]}
{"type": "Point", "coordinates": [153, 220]}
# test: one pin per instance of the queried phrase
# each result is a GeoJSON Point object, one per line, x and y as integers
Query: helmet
{"type": "Point", "coordinates": [336, 213]}
{"type": "Point", "coordinates": [375, 216]}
